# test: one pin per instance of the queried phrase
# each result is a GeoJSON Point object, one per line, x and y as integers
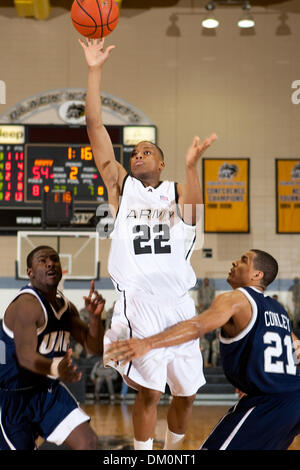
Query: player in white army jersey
{"type": "Point", "coordinates": [149, 264]}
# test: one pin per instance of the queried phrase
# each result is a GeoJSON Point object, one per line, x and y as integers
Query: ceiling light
{"type": "Point", "coordinates": [246, 21]}
{"type": "Point", "coordinates": [210, 21]}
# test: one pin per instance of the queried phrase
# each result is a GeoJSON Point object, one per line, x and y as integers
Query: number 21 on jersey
{"type": "Point", "coordinates": [286, 363]}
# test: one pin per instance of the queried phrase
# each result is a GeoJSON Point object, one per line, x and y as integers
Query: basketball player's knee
{"type": "Point", "coordinates": [149, 397]}
{"type": "Point", "coordinates": [184, 402]}
{"type": "Point", "coordinates": [88, 442]}
{"type": "Point", "coordinates": [92, 442]}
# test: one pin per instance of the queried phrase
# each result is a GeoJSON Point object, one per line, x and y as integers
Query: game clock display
{"type": "Point", "coordinates": [38, 159]}
{"type": "Point", "coordinates": [64, 167]}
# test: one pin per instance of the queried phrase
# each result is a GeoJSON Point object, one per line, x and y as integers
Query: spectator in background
{"type": "Point", "coordinates": [206, 348]}
{"type": "Point", "coordinates": [84, 315]}
{"type": "Point", "coordinates": [78, 351]}
{"type": "Point", "coordinates": [109, 315]}
{"type": "Point", "coordinates": [215, 349]}
{"type": "Point", "coordinates": [206, 294]}
{"type": "Point", "coordinates": [286, 307]}
{"type": "Point", "coordinates": [124, 390]}
{"type": "Point", "coordinates": [295, 289]}
{"type": "Point", "coordinates": [275, 296]}
{"type": "Point", "coordinates": [99, 374]}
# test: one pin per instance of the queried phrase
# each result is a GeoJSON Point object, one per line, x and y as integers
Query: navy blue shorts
{"type": "Point", "coordinates": [48, 411]}
{"type": "Point", "coordinates": [269, 422]}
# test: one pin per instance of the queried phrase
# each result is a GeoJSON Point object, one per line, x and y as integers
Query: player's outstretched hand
{"type": "Point", "coordinates": [94, 51]}
{"type": "Point", "coordinates": [197, 149]}
{"type": "Point", "coordinates": [126, 351]}
{"type": "Point", "coordinates": [67, 370]}
{"type": "Point", "coordinates": [94, 303]}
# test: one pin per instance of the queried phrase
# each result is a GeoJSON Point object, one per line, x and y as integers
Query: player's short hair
{"type": "Point", "coordinates": [265, 262]}
{"type": "Point", "coordinates": [155, 145]}
{"type": "Point", "coordinates": [32, 253]}
{"type": "Point", "coordinates": [160, 151]}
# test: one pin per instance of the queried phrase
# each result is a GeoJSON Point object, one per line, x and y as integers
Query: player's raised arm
{"type": "Point", "coordinates": [223, 309]}
{"type": "Point", "coordinates": [190, 193]}
{"type": "Point", "coordinates": [111, 171]}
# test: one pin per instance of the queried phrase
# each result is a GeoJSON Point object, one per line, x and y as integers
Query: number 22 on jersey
{"type": "Point", "coordinates": [143, 242]}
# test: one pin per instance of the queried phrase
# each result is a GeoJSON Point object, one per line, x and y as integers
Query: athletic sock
{"type": "Point", "coordinates": [143, 445]}
{"type": "Point", "coordinates": [173, 441]}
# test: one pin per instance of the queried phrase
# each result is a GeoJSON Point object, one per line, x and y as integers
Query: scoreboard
{"type": "Point", "coordinates": [37, 159]}
{"type": "Point", "coordinates": [63, 167]}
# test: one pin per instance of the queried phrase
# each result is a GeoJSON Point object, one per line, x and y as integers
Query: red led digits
{"type": "Point", "coordinates": [36, 172]}
{"type": "Point", "coordinates": [45, 171]}
{"type": "Point", "coordinates": [35, 190]}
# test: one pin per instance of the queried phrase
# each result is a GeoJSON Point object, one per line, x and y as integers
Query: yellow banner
{"type": "Point", "coordinates": [288, 196]}
{"type": "Point", "coordinates": [226, 195]}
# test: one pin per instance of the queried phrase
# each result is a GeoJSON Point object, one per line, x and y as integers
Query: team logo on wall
{"type": "Point", "coordinates": [72, 112]}
{"type": "Point", "coordinates": [296, 171]}
{"type": "Point", "coordinates": [69, 107]}
{"type": "Point", "coordinates": [227, 171]}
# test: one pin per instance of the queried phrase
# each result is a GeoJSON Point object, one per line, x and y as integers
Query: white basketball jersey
{"type": "Point", "coordinates": [151, 245]}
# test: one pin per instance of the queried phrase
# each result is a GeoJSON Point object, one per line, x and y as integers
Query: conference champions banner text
{"type": "Point", "coordinates": [288, 195]}
{"type": "Point", "coordinates": [226, 195]}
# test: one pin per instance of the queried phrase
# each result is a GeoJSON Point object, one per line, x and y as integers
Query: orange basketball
{"type": "Point", "coordinates": [94, 18]}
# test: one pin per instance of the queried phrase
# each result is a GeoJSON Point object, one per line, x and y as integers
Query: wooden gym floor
{"type": "Point", "coordinates": [113, 423]}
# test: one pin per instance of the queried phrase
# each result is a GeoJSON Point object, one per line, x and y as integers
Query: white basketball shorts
{"type": "Point", "coordinates": [181, 367]}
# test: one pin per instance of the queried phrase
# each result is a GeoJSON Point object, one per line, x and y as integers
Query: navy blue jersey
{"type": "Point", "coordinates": [261, 359]}
{"type": "Point", "coordinates": [53, 341]}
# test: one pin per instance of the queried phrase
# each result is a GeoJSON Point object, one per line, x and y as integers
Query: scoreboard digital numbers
{"type": "Point", "coordinates": [37, 159]}
{"type": "Point", "coordinates": [64, 167]}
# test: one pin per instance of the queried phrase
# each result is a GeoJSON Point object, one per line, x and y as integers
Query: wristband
{"type": "Point", "coordinates": [54, 367]}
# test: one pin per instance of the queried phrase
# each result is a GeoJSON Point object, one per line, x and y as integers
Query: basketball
{"type": "Point", "coordinates": [94, 18]}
